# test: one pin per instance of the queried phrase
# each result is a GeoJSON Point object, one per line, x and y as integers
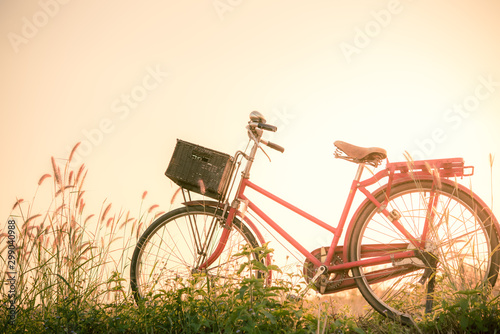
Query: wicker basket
{"type": "Point", "coordinates": [200, 169]}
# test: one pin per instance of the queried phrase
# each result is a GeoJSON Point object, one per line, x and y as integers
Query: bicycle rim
{"type": "Point", "coordinates": [172, 249]}
{"type": "Point", "coordinates": [460, 237]}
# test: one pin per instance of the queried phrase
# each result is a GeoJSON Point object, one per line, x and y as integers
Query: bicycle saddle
{"type": "Point", "coordinates": [370, 155]}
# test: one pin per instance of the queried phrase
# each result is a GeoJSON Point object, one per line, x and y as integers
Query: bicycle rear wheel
{"type": "Point", "coordinates": [460, 249]}
{"type": "Point", "coordinates": [175, 246]}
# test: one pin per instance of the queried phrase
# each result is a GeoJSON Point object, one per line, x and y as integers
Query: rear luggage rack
{"type": "Point", "coordinates": [453, 167]}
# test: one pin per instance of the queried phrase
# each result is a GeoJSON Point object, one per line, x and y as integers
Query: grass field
{"type": "Point", "coordinates": [71, 276]}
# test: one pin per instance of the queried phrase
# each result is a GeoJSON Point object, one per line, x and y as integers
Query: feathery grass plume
{"type": "Point", "coordinates": [110, 220]}
{"type": "Point", "coordinates": [58, 210]}
{"type": "Point", "coordinates": [175, 195]}
{"type": "Point", "coordinates": [28, 232]}
{"type": "Point", "coordinates": [133, 227]}
{"type": "Point", "coordinates": [105, 212]}
{"type": "Point", "coordinates": [138, 234]}
{"type": "Point", "coordinates": [79, 197]}
{"type": "Point", "coordinates": [202, 186]}
{"type": "Point", "coordinates": [434, 173]}
{"type": "Point", "coordinates": [73, 222]}
{"type": "Point", "coordinates": [428, 167]}
{"type": "Point", "coordinates": [83, 245]}
{"type": "Point", "coordinates": [410, 163]}
{"type": "Point", "coordinates": [70, 178]}
{"type": "Point", "coordinates": [127, 219]}
{"type": "Point", "coordinates": [79, 173]}
{"type": "Point", "coordinates": [19, 201]}
{"type": "Point", "coordinates": [125, 223]}
{"type": "Point", "coordinates": [57, 171]}
{"type": "Point", "coordinates": [144, 195]}
{"type": "Point", "coordinates": [25, 224]}
{"type": "Point", "coordinates": [153, 207]}
{"type": "Point", "coordinates": [82, 181]}
{"type": "Point", "coordinates": [43, 178]}
{"type": "Point", "coordinates": [87, 219]}
{"type": "Point", "coordinates": [73, 152]}
{"type": "Point", "coordinates": [158, 214]}
{"type": "Point", "coordinates": [82, 205]}
{"type": "Point", "coordinates": [408, 157]}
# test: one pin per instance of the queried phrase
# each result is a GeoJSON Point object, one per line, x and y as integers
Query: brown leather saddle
{"type": "Point", "coordinates": [369, 155]}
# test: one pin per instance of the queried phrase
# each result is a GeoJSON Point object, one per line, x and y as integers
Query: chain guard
{"type": "Point", "coordinates": [326, 283]}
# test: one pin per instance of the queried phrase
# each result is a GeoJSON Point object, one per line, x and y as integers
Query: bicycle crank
{"type": "Point", "coordinates": [324, 282]}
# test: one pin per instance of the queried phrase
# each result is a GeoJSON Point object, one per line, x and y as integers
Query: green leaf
{"type": "Point", "coordinates": [269, 316]}
{"type": "Point", "coordinates": [468, 292]}
{"type": "Point", "coordinates": [243, 289]}
{"type": "Point", "coordinates": [260, 266]}
{"type": "Point", "coordinates": [242, 267]}
{"type": "Point", "coordinates": [464, 304]}
{"type": "Point", "coordinates": [274, 267]}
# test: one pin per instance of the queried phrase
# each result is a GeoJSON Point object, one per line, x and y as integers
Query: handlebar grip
{"type": "Point", "coordinates": [275, 147]}
{"type": "Point", "coordinates": [267, 127]}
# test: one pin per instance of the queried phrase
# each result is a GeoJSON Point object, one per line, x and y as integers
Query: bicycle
{"type": "Point", "coordinates": [412, 242]}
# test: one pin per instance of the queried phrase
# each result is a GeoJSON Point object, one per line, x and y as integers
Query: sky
{"type": "Point", "coordinates": [126, 79]}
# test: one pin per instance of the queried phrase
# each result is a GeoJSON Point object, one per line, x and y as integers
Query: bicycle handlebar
{"type": "Point", "coordinates": [257, 137]}
{"type": "Point", "coordinates": [273, 146]}
{"type": "Point", "coordinates": [263, 126]}
{"type": "Point", "coordinates": [267, 127]}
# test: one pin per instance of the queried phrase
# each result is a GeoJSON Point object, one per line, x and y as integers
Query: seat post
{"type": "Point", "coordinates": [361, 166]}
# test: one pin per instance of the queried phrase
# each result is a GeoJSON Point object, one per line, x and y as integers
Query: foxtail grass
{"type": "Point", "coordinates": [65, 255]}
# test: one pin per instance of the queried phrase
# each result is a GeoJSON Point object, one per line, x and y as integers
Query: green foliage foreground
{"type": "Point", "coordinates": [69, 279]}
{"type": "Point", "coordinates": [201, 305]}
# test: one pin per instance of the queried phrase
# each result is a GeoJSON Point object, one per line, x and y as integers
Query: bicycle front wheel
{"type": "Point", "coordinates": [177, 245]}
{"type": "Point", "coordinates": [460, 248]}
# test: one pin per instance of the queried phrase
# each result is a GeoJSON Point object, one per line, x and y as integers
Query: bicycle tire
{"type": "Point", "coordinates": [168, 250]}
{"type": "Point", "coordinates": [463, 239]}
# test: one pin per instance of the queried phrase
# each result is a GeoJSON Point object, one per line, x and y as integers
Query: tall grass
{"type": "Point", "coordinates": [71, 277]}
{"type": "Point", "coordinates": [68, 259]}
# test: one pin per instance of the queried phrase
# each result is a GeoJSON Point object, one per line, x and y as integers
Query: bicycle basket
{"type": "Point", "coordinates": [200, 169]}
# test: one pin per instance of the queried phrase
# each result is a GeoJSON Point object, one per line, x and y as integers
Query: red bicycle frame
{"type": "Point", "coordinates": [396, 172]}
{"type": "Point", "coordinates": [337, 231]}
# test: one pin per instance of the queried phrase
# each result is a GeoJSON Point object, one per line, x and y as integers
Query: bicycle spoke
{"type": "Point", "coordinates": [175, 246]}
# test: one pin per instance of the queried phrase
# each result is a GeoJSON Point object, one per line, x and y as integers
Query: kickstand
{"type": "Point", "coordinates": [430, 294]}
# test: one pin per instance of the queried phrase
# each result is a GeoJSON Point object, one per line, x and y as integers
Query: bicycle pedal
{"type": "Point", "coordinates": [323, 283]}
